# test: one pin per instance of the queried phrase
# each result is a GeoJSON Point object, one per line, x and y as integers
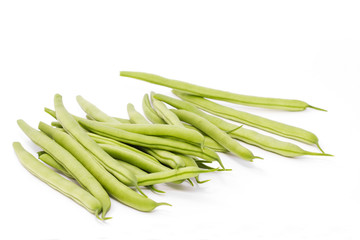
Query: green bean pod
{"type": "Point", "coordinates": [253, 120]}
{"type": "Point", "coordinates": [70, 163]}
{"type": "Point", "coordinates": [149, 111]}
{"type": "Point", "coordinates": [54, 180]}
{"type": "Point", "coordinates": [171, 175]}
{"type": "Point", "coordinates": [168, 116]}
{"type": "Point", "coordinates": [162, 130]}
{"type": "Point", "coordinates": [148, 141]}
{"type": "Point", "coordinates": [71, 126]}
{"type": "Point", "coordinates": [165, 157]}
{"type": "Point", "coordinates": [49, 160]}
{"type": "Point", "coordinates": [265, 142]}
{"type": "Point", "coordinates": [263, 102]}
{"type": "Point", "coordinates": [215, 133]}
{"type": "Point", "coordinates": [131, 157]}
{"type": "Point", "coordinates": [93, 111]}
{"type": "Point", "coordinates": [113, 186]}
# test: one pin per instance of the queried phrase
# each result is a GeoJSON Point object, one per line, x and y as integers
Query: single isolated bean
{"type": "Point", "coordinates": [70, 163]}
{"type": "Point", "coordinates": [54, 180]}
{"type": "Point", "coordinates": [265, 142]}
{"type": "Point", "coordinates": [264, 102]}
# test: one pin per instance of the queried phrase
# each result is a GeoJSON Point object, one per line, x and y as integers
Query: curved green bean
{"type": "Point", "coordinates": [264, 102]}
{"type": "Point", "coordinates": [253, 120]}
{"type": "Point", "coordinates": [163, 112]}
{"type": "Point", "coordinates": [54, 180]}
{"type": "Point", "coordinates": [93, 111]}
{"type": "Point", "coordinates": [215, 133]}
{"type": "Point", "coordinates": [49, 160]}
{"type": "Point", "coordinates": [112, 185]}
{"type": "Point", "coordinates": [131, 157]}
{"type": "Point", "coordinates": [246, 135]}
{"type": "Point", "coordinates": [70, 163]}
{"type": "Point", "coordinates": [149, 111]}
{"type": "Point", "coordinates": [71, 126]}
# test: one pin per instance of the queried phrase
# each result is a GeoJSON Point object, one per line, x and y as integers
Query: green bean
{"type": "Point", "coordinates": [122, 120]}
{"type": "Point", "coordinates": [93, 111]}
{"type": "Point", "coordinates": [105, 140]}
{"type": "Point", "coordinates": [134, 116]}
{"type": "Point", "coordinates": [70, 163]}
{"type": "Point", "coordinates": [56, 124]}
{"type": "Point", "coordinates": [162, 130]}
{"type": "Point", "coordinates": [149, 112]}
{"type": "Point", "coordinates": [49, 160]}
{"type": "Point", "coordinates": [170, 175]}
{"type": "Point", "coordinates": [168, 116]}
{"type": "Point", "coordinates": [165, 157]}
{"type": "Point", "coordinates": [149, 141]}
{"type": "Point", "coordinates": [73, 128]}
{"type": "Point", "coordinates": [112, 185]}
{"type": "Point", "coordinates": [190, 162]}
{"type": "Point", "coordinates": [54, 180]}
{"type": "Point", "coordinates": [264, 102]}
{"type": "Point", "coordinates": [246, 135]}
{"type": "Point", "coordinates": [215, 133]}
{"type": "Point", "coordinates": [262, 123]}
{"type": "Point", "coordinates": [131, 157]}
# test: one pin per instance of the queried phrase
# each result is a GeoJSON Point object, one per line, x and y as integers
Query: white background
{"type": "Point", "coordinates": [306, 50]}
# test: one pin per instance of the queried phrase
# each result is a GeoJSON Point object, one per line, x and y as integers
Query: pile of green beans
{"type": "Point", "coordinates": [99, 157]}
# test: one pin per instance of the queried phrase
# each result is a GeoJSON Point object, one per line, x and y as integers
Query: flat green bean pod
{"type": "Point", "coordinates": [149, 141]}
{"type": "Point", "coordinates": [54, 180]}
{"type": "Point", "coordinates": [253, 120]}
{"type": "Point", "coordinates": [70, 163]}
{"type": "Point", "coordinates": [246, 135]}
{"type": "Point", "coordinates": [216, 133]}
{"type": "Point", "coordinates": [264, 102]}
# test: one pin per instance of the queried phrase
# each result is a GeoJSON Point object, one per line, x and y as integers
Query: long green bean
{"type": "Point", "coordinates": [73, 128]}
{"type": "Point", "coordinates": [70, 163]}
{"type": "Point", "coordinates": [149, 141]}
{"type": "Point", "coordinates": [246, 135]}
{"type": "Point", "coordinates": [264, 102]}
{"type": "Point", "coordinates": [253, 120]}
{"type": "Point", "coordinates": [54, 180]}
